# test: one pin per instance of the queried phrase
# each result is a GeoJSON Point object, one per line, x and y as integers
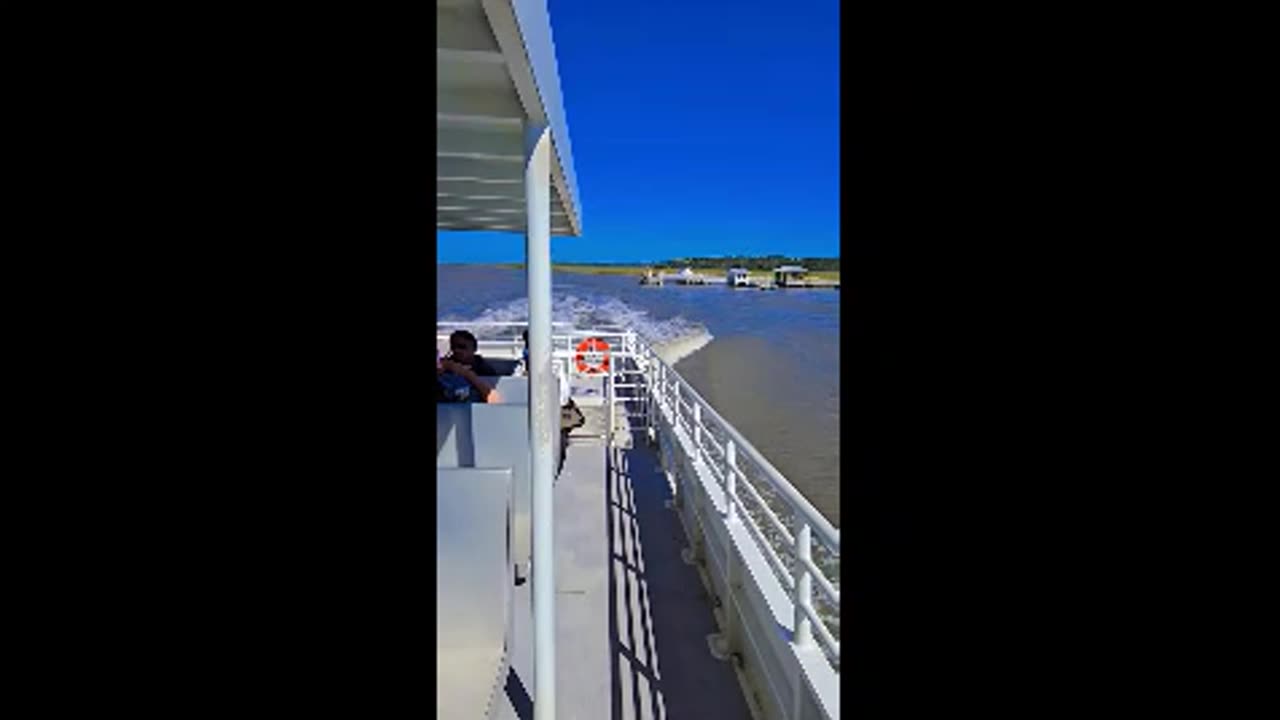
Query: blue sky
{"type": "Point", "coordinates": [703, 127]}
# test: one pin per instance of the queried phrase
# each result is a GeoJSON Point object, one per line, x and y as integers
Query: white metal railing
{"type": "Point", "coordinates": [789, 553]}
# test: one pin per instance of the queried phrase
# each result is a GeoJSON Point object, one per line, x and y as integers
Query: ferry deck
{"type": "Point", "coordinates": [653, 563]}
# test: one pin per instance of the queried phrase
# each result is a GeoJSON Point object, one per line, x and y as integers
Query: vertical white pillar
{"type": "Point", "coordinates": [542, 403]}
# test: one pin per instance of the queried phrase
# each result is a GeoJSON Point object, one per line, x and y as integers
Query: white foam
{"type": "Point", "coordinates": [673, 351]}
{"type": "Point", "coordinates": [672, 338]}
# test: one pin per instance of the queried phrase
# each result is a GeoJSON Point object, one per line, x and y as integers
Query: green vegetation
{"type": "Point", "coordinates": [765, 263]}
{"type": "Point", "coordinates": [824, 274]}
{"type": "Point", "coordinates": [589, 269]}
{"type": "Point", "coordinates": [601, 269]}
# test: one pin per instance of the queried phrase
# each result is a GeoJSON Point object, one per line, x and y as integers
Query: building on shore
{"type": "Point", "coordinates": [737, 277]}
{"type": "Point", "coordinates": [790, 276]}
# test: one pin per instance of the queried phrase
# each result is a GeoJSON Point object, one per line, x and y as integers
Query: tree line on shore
{"type": "Point", "coordinates": [766, 263]}
{"type": "Point", "coordinates": [761, 263]}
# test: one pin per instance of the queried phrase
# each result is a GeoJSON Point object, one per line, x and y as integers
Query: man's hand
{"type": "Point", "coordinates": [455, 367]}
{"type": "Point", "coordinates": [490, 394]}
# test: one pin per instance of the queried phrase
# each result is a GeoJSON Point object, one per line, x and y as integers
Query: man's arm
{"type": "Point", "coordinates": [488, 393]}
{"type": "Point", "coordinates": [482, 367]}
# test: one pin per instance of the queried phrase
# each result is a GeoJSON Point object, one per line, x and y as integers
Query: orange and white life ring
{"type": "Point", "coordinates": [593, 356]}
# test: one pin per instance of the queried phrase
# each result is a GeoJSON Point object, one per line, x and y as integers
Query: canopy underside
{"type": "Point", "coordinates": [492, 80]}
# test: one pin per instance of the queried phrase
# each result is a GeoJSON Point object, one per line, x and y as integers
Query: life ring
{"type": "Point", "coordinates": [593, 356]}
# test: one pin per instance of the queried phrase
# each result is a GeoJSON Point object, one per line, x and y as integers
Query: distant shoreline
{"type": "Point", "coordinates": [638, 270]}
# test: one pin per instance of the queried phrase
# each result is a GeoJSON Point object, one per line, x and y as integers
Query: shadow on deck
{"type": "Point", "coordinates": [632, 618]}
{"type": "Point", "coordinates": [660, 613]}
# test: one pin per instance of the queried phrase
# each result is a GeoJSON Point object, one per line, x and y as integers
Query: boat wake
{"type": "Point", "coordinates": [673, 351]}
{"type": "Point", "coordinates": [672, 338]}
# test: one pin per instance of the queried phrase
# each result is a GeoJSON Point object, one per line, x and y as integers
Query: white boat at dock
{"type": "Point", "coordinates": [687, 276]}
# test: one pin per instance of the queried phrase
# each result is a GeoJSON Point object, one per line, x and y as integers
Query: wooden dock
{"type": "Point", "coordinates": [815, 283]}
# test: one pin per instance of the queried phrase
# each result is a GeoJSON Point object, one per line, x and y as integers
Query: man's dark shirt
{"type": "Point", "coordinates": [481, 367]}
{"type": "Point", "coordinates": [478, 366]}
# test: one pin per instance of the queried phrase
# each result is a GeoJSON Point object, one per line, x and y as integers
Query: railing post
{"type": "Point", "coordinates": [666, 398]}
{"type": "Point", "coordinates": [675, 394]}
{"type": "Point", "coordinates": [675, 404]}
{"type": "Point", "coordinates": [658, 387]}
{"type": "Point", "coordinates": [697, 431]}
{"type": "Point", "coordinates": [730, 480]}
{"type": "Point", "coordinates": [803, 595]}
{"type": "Point", "coordinates": [728, 643]}
{"type": "Point", "coordinates": [733, 590]}
{"type": "Point", "coordinates": [651, 374]}
{"type": "Point", "coordinates": [608, 405]}
{"type": "Point", "coordinates": [645, 398]}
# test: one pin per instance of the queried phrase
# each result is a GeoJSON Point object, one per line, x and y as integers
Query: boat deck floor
{"type": "Point", "coordinates": [632, 618]}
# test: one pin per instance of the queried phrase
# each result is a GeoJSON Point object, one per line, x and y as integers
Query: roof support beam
{"type": "Point", "coordinates": [445, 120]}
{"type": "Point", "coordinates": [464, 167]}
{"type": "Point", "coordinates": [473, 226]}
{"type": "Point", "coordinates": [476, 57]}
{"type": "Point", "coordinates": [499, 142]}
{"type": "Point", "coordinates": [480, 156]}
{"type": "Point", "coordinates": [557, 229]}
{"type": "Point", "coordinates": [508, 194]}
{"type": "Point", "coordinates": [481, 180]}
{"type": "Point", "coordinates": [466, 102]}
{"type": "Point", "coordinates": [475, 210]}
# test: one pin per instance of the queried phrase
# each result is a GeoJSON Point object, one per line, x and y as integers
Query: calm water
{"type": "Point", "coordinates": [772, 368]}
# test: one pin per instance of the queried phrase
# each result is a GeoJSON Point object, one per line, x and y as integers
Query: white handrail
{"type": "Point", "coordinates": [685, 409]}
{"type": "Point", "coordinates": [823, 583]}
{"type": "Point", "coordinates": [827, 533]}
{"type": "Point", "coordinates": [823, 633]}
{"type": "Point", "coordinates": [778, 525]}
{"type": "Point", "coordinates": [779, 567]}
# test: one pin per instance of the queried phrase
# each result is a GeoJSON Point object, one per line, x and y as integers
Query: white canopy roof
{"type": "Point", "coordinates": [496, 72]}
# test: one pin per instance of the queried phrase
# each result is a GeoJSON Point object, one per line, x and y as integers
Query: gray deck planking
{"type": "Point", "coordinates": [632, 618]}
